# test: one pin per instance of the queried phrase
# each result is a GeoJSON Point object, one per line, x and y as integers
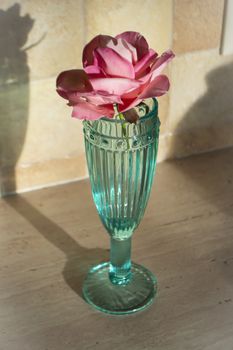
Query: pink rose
{"type": "Point", "coordinates": [121, 70]}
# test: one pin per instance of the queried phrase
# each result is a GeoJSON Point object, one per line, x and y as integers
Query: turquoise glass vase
{"type": "Point", "coordinates": [121, 160]}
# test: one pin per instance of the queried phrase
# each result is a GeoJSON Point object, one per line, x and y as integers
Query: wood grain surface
{"type": "Point", "coordinates": [49, 238]}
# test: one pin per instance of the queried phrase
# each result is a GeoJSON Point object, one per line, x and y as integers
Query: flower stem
{"type": "Point", "coordinates": [124, 128]}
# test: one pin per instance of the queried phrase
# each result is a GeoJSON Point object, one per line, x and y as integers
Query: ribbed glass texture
{"type": "Point", "coordinates": [121, 160]}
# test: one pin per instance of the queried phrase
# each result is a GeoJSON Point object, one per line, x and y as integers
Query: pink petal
{"type": "Point", "coordinates": [98, 41]}
{"type": "Point", "coordinates": [93, 97]}
{"type": "Point", "coordinates": [128, 104]}
{"type": "Point", "coordinates": [93, 70]}
{"type": "Point", "coordinates": [132, 50]}
{"type": "Point", "coordinates": [73, 80]}
{"type": "Point", "coordinates": [132, 94]}
{"type": "Point", "coordinates": [161, 62]}
{"type": "Point", "coordinates": [157, 87]}
{"type": "Point", "coordinates": [114, 86]}
{"type": "Point", "coordinates": [123, 49]}
{"type": "Point", "coordinates": [89, 111]}
{"type": "Point", "coordinates": [131, 99]}
{"type": "Point", "coordinates": [136, 40]}
{"type": "Point", "coordinates": [113, 64]}
{"type": "Point", "coordinates": [102, 98]}
{"type": "Point", "coordinates": [142, 65]}
{"type": "Point", "coordinates": [99, 99]}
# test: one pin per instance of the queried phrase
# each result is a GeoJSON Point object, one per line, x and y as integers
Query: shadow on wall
{"type": "Point", "coordinates": [208, 124]}
{"type": "Point", "coordinates": [14, 91]}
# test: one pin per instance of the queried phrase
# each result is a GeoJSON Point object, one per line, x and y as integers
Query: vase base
{"type": "Point", "coordinates": [107, 297]}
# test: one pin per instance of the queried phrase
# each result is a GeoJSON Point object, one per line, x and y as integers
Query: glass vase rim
{"type": "Point", "coordinates": [151, 114]}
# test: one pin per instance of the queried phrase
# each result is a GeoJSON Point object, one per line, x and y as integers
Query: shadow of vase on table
{"type": "Point", "coordinates": [79, 259]}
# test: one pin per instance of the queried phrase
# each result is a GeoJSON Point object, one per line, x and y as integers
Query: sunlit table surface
{"type": "Point", "coordinates": [49, 238]}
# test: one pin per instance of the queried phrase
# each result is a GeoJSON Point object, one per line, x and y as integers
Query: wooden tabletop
{"type": "Point", "coordinates": [49, 238]}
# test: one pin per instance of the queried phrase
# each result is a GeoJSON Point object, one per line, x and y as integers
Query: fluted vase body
{"type": "Point", "coordinates": [121, 159]}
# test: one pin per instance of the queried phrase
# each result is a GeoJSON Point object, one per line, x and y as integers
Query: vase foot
{"type": "Point", "coordinates": [107, 297]}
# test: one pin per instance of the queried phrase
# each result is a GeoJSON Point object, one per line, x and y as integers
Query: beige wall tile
{"type": "Point", "coordinates": [194, 141]}
{"type": "Point", "coordinates": [201, 90]}
{"type": "Point", "coordinates": [46, 173]}
{"type": "Point", "coordinates": [197, 24]}
{"type": "Point", "coordinates": [14, 106]}
{"type": "Point", "coordinates": [51, 30]}
{"type": "Point", "coordinates": [36, 128]}
{"type": "Point", "coordinates": [163, 101]}
{"type": "Point", "coordinates": [200, 105]}
{"type": "Point", "coordinates": [163, 112]}
{"type": "Point", "coordinates": [153, 18]}
{"type": "Point", "coordinates": [36, 124]}
{"type": "Point", "coordinates": [51, 132]}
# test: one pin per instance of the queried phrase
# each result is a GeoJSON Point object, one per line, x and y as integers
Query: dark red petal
{"type": "Point", "coordinates": [98, 41]}
{"type": "Point", "coordinates": [137, 40]}
{"type": "Point", "coordinates": [71, 81]}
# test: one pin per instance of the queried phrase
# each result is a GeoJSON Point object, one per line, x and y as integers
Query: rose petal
{"type": "Point", "coordinates": [73, 80]}
{"type": "Point", "coordinates": [137, 40]}
{"type": "Point", "coordinates": [123, 49]}
{"type": "Point", "coordinates": [161, 62]}
{"type": "Point", "coordinates": [114, 86]}
{"type": "Point", "coordinates": [98, 41]}
{"type": "Point", "coordinates": [128, 104]}
{"type": "Point", "coordinates": [158, 66]}
{"type": "Point", "coordinates": [157, 87]}
{"type": "Point", "coordinates": [99, 99]}
{"type": "Point", "coordinates": [142, 65]}
{"type": "Point", "coordinates": [85, 110]}
{"type": "Point", "coordinates": [113, 64]}
{"type": "Point", "coordinates": [93, 70]}
{"type": "Point", "coordinates": [132, 94]}
{"type": "Point", "coordinates": [132, 50]}
{"type": "Point", "coordinates": [93, 97]}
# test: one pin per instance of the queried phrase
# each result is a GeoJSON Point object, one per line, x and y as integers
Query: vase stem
{"type": "Point", "coordinates": [120, 261]}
